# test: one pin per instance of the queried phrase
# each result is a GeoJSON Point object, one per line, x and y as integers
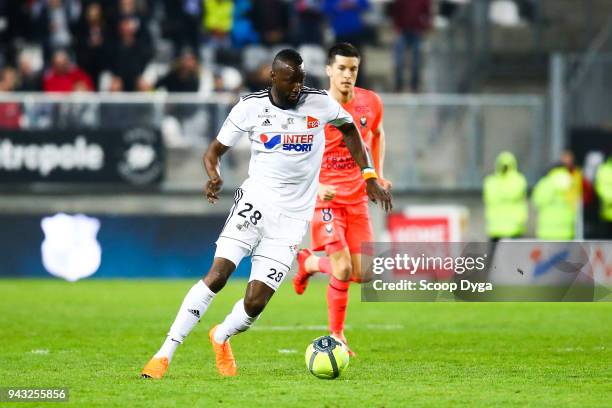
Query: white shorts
{"type": "Point", "coordinates": [255, 228]}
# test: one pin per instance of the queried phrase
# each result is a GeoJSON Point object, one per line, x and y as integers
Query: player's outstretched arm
{"type": "Point", "coordinates": [356, 147]}
{"type": "Point", "coordinates": [211, 164]}
{"type": "Point", "coordinates": [378, 155]}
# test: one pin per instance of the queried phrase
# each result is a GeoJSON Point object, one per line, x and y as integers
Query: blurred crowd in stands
{"type": "Point", "coordinates": [185, 45]}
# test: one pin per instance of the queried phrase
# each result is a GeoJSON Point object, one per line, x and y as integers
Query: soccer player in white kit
{"type": "Point", "coordinates": [272, 208]}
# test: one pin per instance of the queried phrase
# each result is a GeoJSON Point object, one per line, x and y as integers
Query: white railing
{"type": "Point", "coordinates": [117, 97]}
{"type": "Point", "coordinates": [434, 142]}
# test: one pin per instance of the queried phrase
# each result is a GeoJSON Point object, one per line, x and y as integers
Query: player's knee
{"type": "Point", "coordinates": [216, 279]}
{"type": "Point", "coordinates": [253, 306]}
{"type": "Point", "coordinates": [219, 273]}
{"type": "Point", "coordinates": [343, 271]}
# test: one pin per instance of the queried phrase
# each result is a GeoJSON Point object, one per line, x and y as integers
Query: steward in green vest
{"type": "Point", "coordinates": [218, 18]}
{"type": "Point", "coordinates": [554, 200]}
{"type": "Point", "coordinates": [505, 199]}
{"type": "Point", "coordinates": [603, 186]}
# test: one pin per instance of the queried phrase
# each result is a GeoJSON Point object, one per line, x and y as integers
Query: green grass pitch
{"type": "Point", "coordinates": [94, 337]}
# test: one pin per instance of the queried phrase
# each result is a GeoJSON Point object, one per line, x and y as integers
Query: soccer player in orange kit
{"type": "Point", "coordinates": [341, 221]}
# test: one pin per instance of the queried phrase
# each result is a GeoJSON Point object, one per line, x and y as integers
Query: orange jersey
{"type": "Point", "coordinates": [338, 167]}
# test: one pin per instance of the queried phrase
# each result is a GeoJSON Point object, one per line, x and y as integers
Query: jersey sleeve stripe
{"type": "Point", "coordinates": [237, 127]}
{"type": "Point", "coordinates": [308, 89]}
{"type": "Point", "coordinates": [314, 91]}
{"type": "Point", "coordinates": [259, 94]}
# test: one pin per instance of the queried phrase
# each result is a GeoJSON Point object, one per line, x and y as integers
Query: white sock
{"type": "Point", "coordinates": [235, 322]}
{"type": "Point", "coordinates": [168, 348]}
{"type": "Point", "coordinates": [192, 309]}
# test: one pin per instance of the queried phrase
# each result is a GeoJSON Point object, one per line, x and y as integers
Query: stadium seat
{"type": "Point", "coordinates": [254, 56]}
{"type": "Point", "coordinates": [315, 60]}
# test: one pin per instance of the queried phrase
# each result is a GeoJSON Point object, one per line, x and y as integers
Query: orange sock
{"type": "Point", "coordinates": [337, 300]}
{"type": "Point", "coordinates": [325, 265]}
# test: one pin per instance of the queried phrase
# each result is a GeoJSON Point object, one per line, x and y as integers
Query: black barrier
{"type": "Point", "coordinates": [131, 156]}
{"type": "Point", "coordinates": [76, 246]}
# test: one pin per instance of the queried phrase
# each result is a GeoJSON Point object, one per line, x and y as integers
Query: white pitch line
{"type": "Point", "coordinates": [325, 328]}
{"type": "Point", "coordinates": [290, 328]}
{"type": "Point", "coordinates": [287, 351]}
{"type": "Point", "coordinates": [40, 351]}
{"type": "Point", "coordinates": [384, 326]}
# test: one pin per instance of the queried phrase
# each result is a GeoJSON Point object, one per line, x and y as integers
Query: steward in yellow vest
{"type": "Point", "coordinates": [554, 198]}
{"type": "Point", "coordinates": [505, 199]}
{"type": "Point", "coordinates": [603, 186]}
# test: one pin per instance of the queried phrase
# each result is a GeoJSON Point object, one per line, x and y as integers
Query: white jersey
{"type": "Point", "coordinates": [287, 146]}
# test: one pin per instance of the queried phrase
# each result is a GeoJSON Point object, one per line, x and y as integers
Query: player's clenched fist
{"type": "Point", "coordinates": [376, 192]}
{"type": "Point", "coordinates": [326, 192]}
{"type": "Point", "coordinates": [212, 188]}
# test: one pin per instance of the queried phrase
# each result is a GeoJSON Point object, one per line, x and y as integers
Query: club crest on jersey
{"type": "Point", "coordinates": [290, 121]}
{"type": "Point", "coordinates": [269, 142]}
{"type": "Point", "coordinates": [312, 123]}
{"type": "Point", "coordinates": [297, 143]}
{"type": "Point", "coordinates": [363, 120]}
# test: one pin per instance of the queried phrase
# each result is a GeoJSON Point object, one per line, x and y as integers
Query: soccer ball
{"type": "Point", "coordinates": [326, 357]}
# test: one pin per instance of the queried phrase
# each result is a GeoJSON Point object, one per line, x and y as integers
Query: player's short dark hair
{"type": "Point", "coordinates": [288, 56]}
{"type": "Point", "coordinates": [344, 50]}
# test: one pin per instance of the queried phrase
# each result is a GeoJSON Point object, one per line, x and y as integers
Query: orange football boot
{"type": "Point", "coordinates": [340, 336]}
{"type": "Point", "coordinates": [226, 364]}
{"type": "Point", "coordinates": [155, 368]}
{"type": "Point", "coordinates": [300, 280]}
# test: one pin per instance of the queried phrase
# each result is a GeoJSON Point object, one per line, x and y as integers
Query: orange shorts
{"type": "Point", "coordinates": [340, 227]}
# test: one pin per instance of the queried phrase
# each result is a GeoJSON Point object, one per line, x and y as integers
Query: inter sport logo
{"type": "Point", "coordinates": [297, 143]}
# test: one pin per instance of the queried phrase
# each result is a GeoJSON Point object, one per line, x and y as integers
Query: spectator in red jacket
{"type": "Point", "coordinates": [63, 76]}
{"type": "Point", "coordinates": [10, 112]}
{"type": "Point", "coordinates": [412, 18]}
